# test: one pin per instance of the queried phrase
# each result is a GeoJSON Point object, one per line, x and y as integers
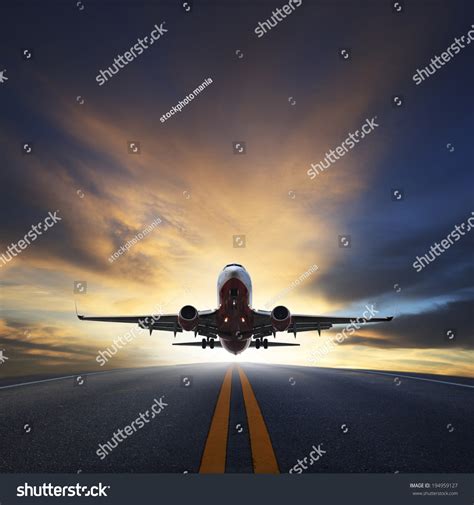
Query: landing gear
{"type": "Point", "coordinates": [206, 341]}
{"type": "Point", "coordinates": [259, 342]}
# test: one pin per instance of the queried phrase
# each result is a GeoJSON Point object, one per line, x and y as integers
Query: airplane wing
{"type": "Point", "coordinates": [162, 322]}
{"type": "Point", "coordinates": [300, 322]}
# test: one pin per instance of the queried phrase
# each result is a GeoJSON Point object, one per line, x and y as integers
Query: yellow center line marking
{"type": "Point", "coordinates": [263, 456]}
{"type": "Point", "coordinates": [215, 451]}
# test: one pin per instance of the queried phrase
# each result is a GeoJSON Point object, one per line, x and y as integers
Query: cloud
{"type": "Point", "coordinates": [188, 176]}
{"type": "Point", "coordinates": [424, 330]}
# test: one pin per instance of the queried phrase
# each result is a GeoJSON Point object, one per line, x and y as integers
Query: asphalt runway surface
{"type": "Point", "coordinates": [214, 418]}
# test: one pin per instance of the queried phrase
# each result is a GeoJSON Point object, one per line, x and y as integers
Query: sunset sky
{"type": "Point", "coordinates": [188, 176]}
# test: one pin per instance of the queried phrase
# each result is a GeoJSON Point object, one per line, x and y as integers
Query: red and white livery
{"type": "Point", "coordinates": [234, 325]}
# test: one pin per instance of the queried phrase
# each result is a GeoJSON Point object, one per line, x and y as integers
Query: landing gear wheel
{"type": "Point", "coordinates": [204, 343]}
{"type": "Point", "coordinates": [265, 343]}
{"type": "Point", "coordinates": [257, 343]}
{"type": "Point", "coordinates": [211, 343]}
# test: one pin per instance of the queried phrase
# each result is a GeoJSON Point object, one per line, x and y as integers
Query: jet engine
{"type": "Point", "coordinates": [281, 318]}
{"type": "Point", "coordinates": [188, 318]}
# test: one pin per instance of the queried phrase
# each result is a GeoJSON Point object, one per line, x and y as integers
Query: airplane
{"type": "Point", "coordinates": [234, 325]}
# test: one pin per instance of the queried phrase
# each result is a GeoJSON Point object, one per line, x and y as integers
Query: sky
{"type": "Point", "coordinates": [290, 96]}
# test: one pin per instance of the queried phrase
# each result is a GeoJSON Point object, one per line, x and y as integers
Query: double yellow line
{"type": "Point", "coordinates": [215, 450]}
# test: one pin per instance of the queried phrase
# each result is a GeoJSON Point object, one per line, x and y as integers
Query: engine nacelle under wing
{"type": "Point", "coordinates": [281, 318]}
{"type": "Point", "coordinates": [188, 318]}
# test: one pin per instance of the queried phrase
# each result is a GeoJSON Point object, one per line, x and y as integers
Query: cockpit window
{"type": "Point", "coordinates": [233, 265]}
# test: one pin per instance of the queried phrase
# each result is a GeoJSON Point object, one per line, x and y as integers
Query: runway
{"type": "Point", "coordinates": [216, 418]}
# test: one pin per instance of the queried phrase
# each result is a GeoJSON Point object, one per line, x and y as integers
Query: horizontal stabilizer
{"type": "Point", "coordinates": [197, 344]}
{"type": "Point", "coordinates": [277, 344]}
{"type": "Point", "coordinates": [252, 344]}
